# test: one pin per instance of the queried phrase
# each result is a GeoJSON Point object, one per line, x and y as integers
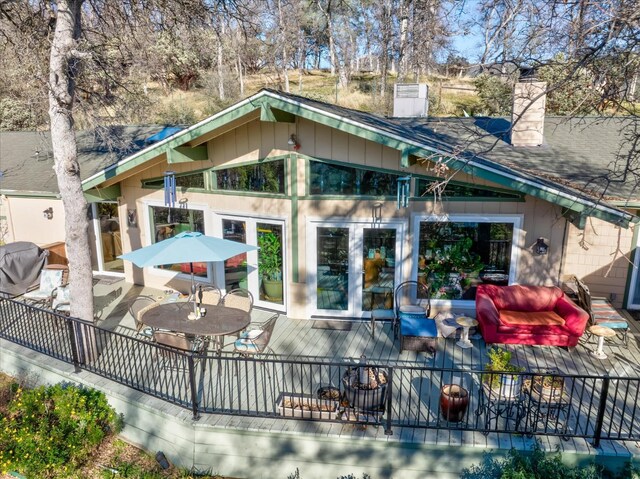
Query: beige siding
{"type": "Point", "coordinates": [600, 255]}
{"type": "Point", "coordinates": [25, 220]}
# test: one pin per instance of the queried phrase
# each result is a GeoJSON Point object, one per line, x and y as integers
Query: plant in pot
{"type": "Point", "coordinates": [498, 378]}
{"type": "Point", "coordinates": [548, 386]}
{"type": "Point", "coordinates": [270, 264]}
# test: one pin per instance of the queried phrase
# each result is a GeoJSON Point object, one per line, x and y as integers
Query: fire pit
{"type": "Point", "coordinates": [365, 387]}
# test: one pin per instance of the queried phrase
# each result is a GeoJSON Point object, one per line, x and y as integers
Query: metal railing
{"type": "Point", "coordinates": [587, 406]}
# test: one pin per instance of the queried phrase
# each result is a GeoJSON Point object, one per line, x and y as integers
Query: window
{"type": "Point", "coordinates": [330, 179]}
{"type": "Point", "coordinates": [183, 180]}
{"type": "Point", "coordinates": [454, 257]}
{"type": "Point", "coordinates": [168, 222]}
{"type": "Point", "coordinates": [266, 177]}
{"type": "Point", "coordinates": [460, 190]}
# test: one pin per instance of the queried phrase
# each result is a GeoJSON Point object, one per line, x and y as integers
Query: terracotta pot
{"type": "Point", "coordinates": [454, 401]}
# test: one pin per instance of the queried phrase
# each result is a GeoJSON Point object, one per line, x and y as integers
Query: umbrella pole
{"type": "Point", "coordinates": [193, 291]}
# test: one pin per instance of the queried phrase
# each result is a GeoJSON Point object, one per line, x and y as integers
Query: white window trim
{"type": "Point", "coordinates": [632, 301]}
{"type": "Point", "coordinates": [516, 244]}
{"type": "Point", "coordinates": [208, 226]}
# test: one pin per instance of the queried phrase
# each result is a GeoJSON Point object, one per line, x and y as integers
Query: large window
{"type": "Point", "coordinates": [330, 179]}
{"type": "Point", "coordinates": [168, 222]}
{"type": "Point", "coordinates": [454, 257]}
{"type": "Point", "coordinates": [267, 177]}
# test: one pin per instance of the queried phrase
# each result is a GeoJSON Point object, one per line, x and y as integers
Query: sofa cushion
{"type": "Point", "coordinates": [524, 298]}
{"type": "Point", "coordinates": [538, 318]}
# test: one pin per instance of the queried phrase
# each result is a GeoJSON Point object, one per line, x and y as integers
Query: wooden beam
{"type": "Point", "coordinates": [185, 154]}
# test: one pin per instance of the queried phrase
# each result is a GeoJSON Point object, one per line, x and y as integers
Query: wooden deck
{"type": "Point", "coordinates": [342, 341]}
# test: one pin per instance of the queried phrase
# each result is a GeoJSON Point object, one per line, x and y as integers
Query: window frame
{"type": "Point", "coordinates": [212, 174]}
{"type": "Point", "coordinates": [516, 243]}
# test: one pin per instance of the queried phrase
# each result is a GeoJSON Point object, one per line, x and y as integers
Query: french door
{"type": "Point", "coordinates": [352, 267]}
{"type": "Point", "coordinates": [108, 239]}
{"type": "Point", "coordinates": [261, 272]}
{"type": "Point", "coordinates": [634, 291]}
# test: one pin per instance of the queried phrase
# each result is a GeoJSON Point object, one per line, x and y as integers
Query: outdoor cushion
{"type": "Point", "coordinates": [50, 279]}
{"type": "Point", "coordinates": [538, 318]}
{"type": "Point", "coordinates": [423, 327]}
{"type": "Point", "coordinates": [246, 341]}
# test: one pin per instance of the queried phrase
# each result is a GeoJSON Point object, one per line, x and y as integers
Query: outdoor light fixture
{"type": "Point", "coordinates": [48, 213]}
{"type": "Point", "coordinates": [293, 141]}
{"type": "Point", "coordinates": [541, 248]}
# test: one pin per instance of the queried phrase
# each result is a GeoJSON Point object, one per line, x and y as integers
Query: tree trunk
{"type": "Point", "coordinates": [63, 65]}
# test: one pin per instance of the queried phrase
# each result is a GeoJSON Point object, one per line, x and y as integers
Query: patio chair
{"type": "Point", "coordinates": [417, 331]}
{"type": "Point", "coordinates": [238, 298]}
{"type": "Point", "coordinates": [601, 312]}
{"type": "Point", "coordinates": [255, 340]}
{"type": "Point", "coordinates": [51, 277]}
{"type": "Point", "coordinates": [208, 295]}
{"type": "Point", "coordinates": [61, 301]}
{"type": "Point", "coordinates": [180, 342]}
{"type": "Point", "coordinates": [141, 305]}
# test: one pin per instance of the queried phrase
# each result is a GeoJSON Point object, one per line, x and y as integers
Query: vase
{"type": "Point", "coordinates": [454, 401]}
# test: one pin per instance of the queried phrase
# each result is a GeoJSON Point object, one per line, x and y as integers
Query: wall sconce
{"type": "Point", "coordinates": [293, 141]}
{"type": "Point", "coordinates": [48, 213]}
{"type": "Point", "coordinates": [540, 248]}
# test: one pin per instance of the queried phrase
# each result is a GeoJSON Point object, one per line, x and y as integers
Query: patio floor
{"type": "Point", "coordinates": [347, 341]}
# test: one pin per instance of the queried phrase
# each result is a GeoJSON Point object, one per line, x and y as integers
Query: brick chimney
{"type": "Point", "coordinates": [527, 116]}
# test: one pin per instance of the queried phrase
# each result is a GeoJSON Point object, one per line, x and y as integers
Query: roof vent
{"type": "Point", "coordinates": [410, 100]}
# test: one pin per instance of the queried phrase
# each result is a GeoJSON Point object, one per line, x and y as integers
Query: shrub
{"type": "Point", "coordinates": [539, 465]}
{"type": "Point", "coordinates": [50, 431]}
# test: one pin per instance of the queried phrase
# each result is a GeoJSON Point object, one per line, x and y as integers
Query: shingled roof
{"type": "Point", "coordinates": [26, 158]}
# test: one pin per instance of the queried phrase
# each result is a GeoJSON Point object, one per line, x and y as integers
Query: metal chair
{"type": "Point", "coordinates": [208, 295]}
{"type": "Point", "coordinates": [61, 300]}
{"type": "Point", "coordinates": [141, 305]}
{"type": "Point", "coordinates": [238, 298]}
{"type": "Point", "coordinates": [51, 277]}
{"type": "Point", "coordinates": [181, 343]}
{"type": "Point", "coordinates": [255, 340]}
{"type": "Point", "coordinates": [601, 312]}
{"type": "Point", "coordinates": [417, 331]}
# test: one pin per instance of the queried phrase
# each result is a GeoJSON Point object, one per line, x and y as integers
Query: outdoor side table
{"type": "Point", "coordinates": [466, 323]}
{"type": "Point", "coordinates": [499, 410]}
{"type": "Point", "coordinates": [380, 314]}
{"type": "Point", "coordinates": [601, 332]}
{"type": "Point", "coordinates": [541, 413]}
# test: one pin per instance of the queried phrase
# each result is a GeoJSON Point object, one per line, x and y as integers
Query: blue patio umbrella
{"type": "Point", "coordinates": [187, 247]}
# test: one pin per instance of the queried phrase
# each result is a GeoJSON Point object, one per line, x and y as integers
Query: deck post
{"type": "Point", "coordinates": [601, 410]}
{"type": "Point", "coordinates": [192, 386]}
{"type": "Point", "coordinates": [387, 427]}
{"type": "Point", "coordinates": [74, 346]}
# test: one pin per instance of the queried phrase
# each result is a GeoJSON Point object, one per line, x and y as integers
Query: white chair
{"type": "Point", "coordinates": [50, 279]}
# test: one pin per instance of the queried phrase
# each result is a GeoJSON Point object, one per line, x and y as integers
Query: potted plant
{"type": "Point", "coordinates": [498, 379]}
{"type": "Point", "coordinates": [270, 264]}
{"type": "Point", "coordinates": [548, 386]}
{"type": "Point", "coordinates": [454, 400]}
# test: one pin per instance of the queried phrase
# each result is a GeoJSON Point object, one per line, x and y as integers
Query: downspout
{"type": "Point", "coordinates": [563, 249]}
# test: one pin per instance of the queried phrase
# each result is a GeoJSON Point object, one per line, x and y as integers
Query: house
{"type": "Point", "coordinates": [356, 203]}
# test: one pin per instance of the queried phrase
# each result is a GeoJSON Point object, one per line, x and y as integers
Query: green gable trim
{"type": "Point", "coordinates": [275, 115]}
{"type": "Point", "coordinates": [109, 193]}
{"type": "Point", "coordinates": [185, 154]}
{"type": "Point", "coordinates": [210, 124]}
{"type": "Point", "coordinates": [30, 194]}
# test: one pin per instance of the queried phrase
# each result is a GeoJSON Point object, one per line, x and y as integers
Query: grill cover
{"type": "Point", "coordinates": [20, 266]}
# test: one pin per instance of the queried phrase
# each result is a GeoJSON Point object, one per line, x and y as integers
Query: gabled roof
{"type": "Point", "coordinates": [568, 170]}
{"type": "Point", "coordinates": [26, 158]}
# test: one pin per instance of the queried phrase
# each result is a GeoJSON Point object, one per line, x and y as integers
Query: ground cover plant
{"type": "Point", "coordinates": [67, 431]}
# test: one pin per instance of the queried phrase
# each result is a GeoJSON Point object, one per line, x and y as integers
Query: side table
{"type": "Point", "coordinates": [466, 323]}
{"type": "Point", "coordinates": [380, 314]}
{"type": "Point", "coordinates": [601, 332]}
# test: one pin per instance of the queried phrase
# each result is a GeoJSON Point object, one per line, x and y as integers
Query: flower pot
{"type": "Point", "coordinates": [273, 289]}
{"type": "Point", "coordinates": [510, 385]}
{"type": "Point", "coordinates": [454, 401]}
{"type": "Point", "coordinates": [365, 399]}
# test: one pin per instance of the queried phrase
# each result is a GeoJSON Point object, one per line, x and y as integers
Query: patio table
{"type": "Point", "coordinates": [218, 322]}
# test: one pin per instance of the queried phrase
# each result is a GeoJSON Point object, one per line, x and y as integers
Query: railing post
{"type": "Point", "coordinates": [74, 345]}
{"type": "Point", "coordinates": [604, 393]}
{"type": "Point", "coordinates": [387, 427]}
{"type": "Point", "coordinates": [192, 384]}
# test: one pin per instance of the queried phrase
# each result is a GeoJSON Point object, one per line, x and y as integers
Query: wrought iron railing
{"type": "Point", "coordinates": [407, 396]}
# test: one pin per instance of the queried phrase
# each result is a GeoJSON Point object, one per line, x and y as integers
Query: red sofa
{"type": "Point", "coordinates": [528, 315]}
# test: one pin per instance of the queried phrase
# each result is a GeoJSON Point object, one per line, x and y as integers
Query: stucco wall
{"type": "Point", "coordinates": [25, 220]}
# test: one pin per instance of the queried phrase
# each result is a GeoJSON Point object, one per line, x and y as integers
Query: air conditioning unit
{"type": "Point", "coordinates": [410, 100]}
